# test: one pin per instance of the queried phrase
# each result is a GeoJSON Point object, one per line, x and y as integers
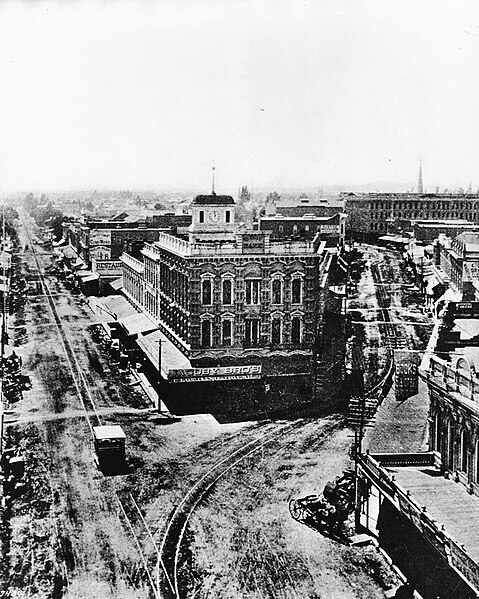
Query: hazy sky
{"type": "Point", "coordinates": [145, 94]}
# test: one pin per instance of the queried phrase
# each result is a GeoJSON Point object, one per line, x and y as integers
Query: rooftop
{"type": "Point", "coordinates": [213, 199]}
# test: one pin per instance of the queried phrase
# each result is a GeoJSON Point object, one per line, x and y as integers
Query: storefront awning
{"type": "Point", "coordinates": [171, 357]}
{"type": "Point", "coordinates": [68, 252]}
{"type": "Point", "coordinates": [111, 308]}
{"type": "Point", "coordinates": [91, 277]}
{"type": "Point", "coordinates": [137, 323]}
{"type": "Point", "coordinates": [117, 284]}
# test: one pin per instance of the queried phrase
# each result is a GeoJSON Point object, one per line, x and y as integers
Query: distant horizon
{"type": "Point", "coordinates": [378, 187]}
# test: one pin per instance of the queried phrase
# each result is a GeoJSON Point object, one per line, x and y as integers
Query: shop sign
{"type": "Point", "coordinates": [219, 373]}
{"type": "Point", "coordinates": [100, 237]}
{"type": "Point", "coordinates": [334, 229]}
{"type": "Point", "coordinates": [406, 374]}
{"type": "Point", "coordinates": [109, 267]}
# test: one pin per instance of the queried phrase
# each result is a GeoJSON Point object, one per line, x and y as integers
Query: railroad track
{"type": "Point", "coordinates": [389, 331]}
{"type": "Point", "coordinates": [79, 380]}
{"type": "Point", "coordinates": [90, 410]}
{"type": "Point", "coordinates": [169, 550]}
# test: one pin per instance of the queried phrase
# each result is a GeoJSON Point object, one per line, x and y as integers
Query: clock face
{"type": "Point", "coordinates": [214, 216]}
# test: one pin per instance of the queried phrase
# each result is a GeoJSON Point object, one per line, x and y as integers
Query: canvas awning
{"type": "Point", "coordinates": [111, 308]}
{"type": "Point", "coordinates": [91, 277]}
{"type": "Point", "coordinates": [171, 356]}
{"type": "Point", "coordinates": [137, 323]}
{"type": "Point", "coordinates": [117, 284]}
{"type": "Point", "coordinates": [69, 252]}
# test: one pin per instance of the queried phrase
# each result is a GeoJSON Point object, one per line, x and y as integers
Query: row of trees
{"type": "Point", "coordinates": [11, 216]}
{"type": "Point", "coordinates": [45, 214]}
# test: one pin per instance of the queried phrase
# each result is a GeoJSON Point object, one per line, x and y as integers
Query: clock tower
{"type": "Point", "coordinates": [213, 219]}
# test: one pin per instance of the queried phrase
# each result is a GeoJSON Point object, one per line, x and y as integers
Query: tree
{"type": "Point", "coordinates": [245, 195]}
{"type": "Point", "coordinates": [273, 197]}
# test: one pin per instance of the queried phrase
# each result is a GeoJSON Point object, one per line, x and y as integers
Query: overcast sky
{"type": "Point", "coordinates": [147, 94]}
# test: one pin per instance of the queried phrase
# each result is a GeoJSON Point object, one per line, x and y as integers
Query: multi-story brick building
{"type": "Point", "coordinates": [322, 207]}
{"type": "Point", "coordinates": [382, 212]}
{"type": "Point", "coordinates": [451, 370]}
{"type": "Point", "coordinates": [100, 242]}
{"type": "Point", "coordinates": [458, 259]}
{"type": "Point", "coordinates": [330, 229]}
{"type": "Point", "coordinates": [232, 298]}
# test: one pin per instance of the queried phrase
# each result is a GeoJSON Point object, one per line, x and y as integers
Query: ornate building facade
{"type": "Point", "coordinates": [451, 370]}
{"type": "Point", "coordinates": [228, 297]}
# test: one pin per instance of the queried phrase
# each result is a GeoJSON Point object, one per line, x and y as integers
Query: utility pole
{"type": "Point", "coordinates": [3, 332]}
{"type": "Point", "coordinates": [159, 404]}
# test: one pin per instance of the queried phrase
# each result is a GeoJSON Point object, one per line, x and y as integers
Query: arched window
{"type": "Point", "coordinates": [205, 333]}
{"type": "Point", "coordinates": [277, 290]}
{"type": "Point", "coordinates": [296, 285]}
{"type": "Point", "coordinates": [206, 294]}
{"type": "Point", "coordinates": [227, 332]}
{"type": "Point", "coordinates": [227, 287]}
{"type": "Point", "coordinates": [276, 331]}
{"type": "Point", "coordinates": [296, 330]}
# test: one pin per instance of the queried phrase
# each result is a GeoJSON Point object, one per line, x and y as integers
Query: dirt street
{"type": "Point", "coordinates": [71, 532]}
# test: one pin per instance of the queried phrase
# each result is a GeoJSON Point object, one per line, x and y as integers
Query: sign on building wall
{"type": "Point", "coordinates": [100, 237]}
{"type": "Point", "coordinates": [220, 373]}
{"type": "Point", "coordinates": [107, 268]}
{"type": "Point", "coordinates": [100, 252]}
{"type": "Point", "coordinates": [406, 373]}
{"type": "Point", "coordinates": [331, 229]}
{"type": "Point", "coordinates": [252, 243]}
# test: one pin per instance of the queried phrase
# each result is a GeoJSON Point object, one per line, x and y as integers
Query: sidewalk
{"type": "Point", "coordinates": [400, 426]}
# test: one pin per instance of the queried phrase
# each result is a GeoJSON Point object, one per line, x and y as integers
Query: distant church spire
{"type": "Point", "coordinates": [419, 183]}
{"type": "Point", "coordinates": [213, 183]}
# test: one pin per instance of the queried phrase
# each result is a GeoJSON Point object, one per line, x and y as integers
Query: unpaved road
{"type": "Point", "coordinates": [66, 535]}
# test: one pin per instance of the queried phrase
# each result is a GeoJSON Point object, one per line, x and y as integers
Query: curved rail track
{"type": "Point", "coordinates": [169, 552]}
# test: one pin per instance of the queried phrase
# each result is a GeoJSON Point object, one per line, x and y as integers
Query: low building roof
{"type": "Point", "coordinates": [108, 431]}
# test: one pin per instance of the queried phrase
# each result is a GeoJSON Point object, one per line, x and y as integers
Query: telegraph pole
{"type": "Point", "coordinates": [159, 404]}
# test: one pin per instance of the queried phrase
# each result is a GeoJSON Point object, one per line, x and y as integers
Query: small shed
{"type": "Point", "coordinates": [109, 442]}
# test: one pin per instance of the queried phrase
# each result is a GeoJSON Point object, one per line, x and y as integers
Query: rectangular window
{"type": "Point", "coordinates": [227, 216]}
{"type": "Point", "coordinates": [206, 292]}
{"type": "Point", "coordinates": [252, 291]}
{"type": "Point", "coordinates": [296, 330]}
{"type": "Point", "coordinates": [252, 332]}
{"type": "Point", "coordinates": [202, 216]}
{"type": "Point", "coordinates": [206, 333]}
{"type": "Point", "coordinates": [227, 332]}
{"type": "Point", "coordinates": [227, 291]}
{"type": "Point", "coordinates": [296, 291]}
{"type": "Point", "coordinates": [276, 331]}
{"type": "Point", "coordinates": [276, 289]}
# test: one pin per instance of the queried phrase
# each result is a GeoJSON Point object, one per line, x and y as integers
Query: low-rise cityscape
{"type": "Point", "coordinates": [289, 315]}
{"type": "Point", "coordinates": [239, 279]}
